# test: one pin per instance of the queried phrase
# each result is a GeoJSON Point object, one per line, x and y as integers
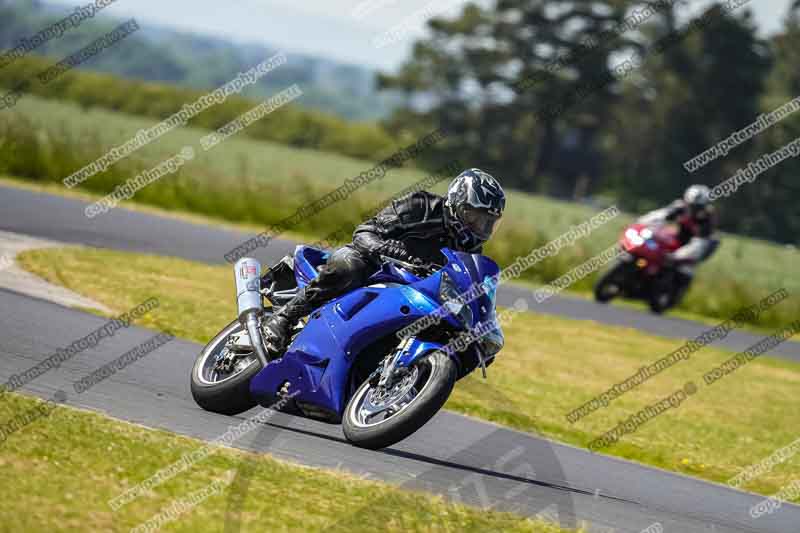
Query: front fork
{"type": "Point", "coordinates": [407, 353]}
{"type": "Point", "coordinates": [388, 370]}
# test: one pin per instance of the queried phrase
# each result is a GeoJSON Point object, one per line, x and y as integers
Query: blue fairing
{"type": "Point", "coordinates": [318, 363]}
{"type": "Point", "coordinates": [479, 269]}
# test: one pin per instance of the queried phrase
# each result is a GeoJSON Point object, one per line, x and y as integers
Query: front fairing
{"type": "Point", "coordinates": [487, 272]}
{"type": "Point", "coordinates": [475, 274]}
{"type": "Point", "coordinates": [476, 278]}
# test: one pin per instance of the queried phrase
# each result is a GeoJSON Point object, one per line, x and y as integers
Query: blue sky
{"type": "Point", "coordinates": [345, 30]}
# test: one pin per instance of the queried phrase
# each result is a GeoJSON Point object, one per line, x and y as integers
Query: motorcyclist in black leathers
{"type": "Point", "coordinates": [412, 228]}
{"type": "Point", "coordinates": [697, 223]}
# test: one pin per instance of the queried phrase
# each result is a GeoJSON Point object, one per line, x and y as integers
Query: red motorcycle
{"type": "Point", "coordinates": [644, 272]}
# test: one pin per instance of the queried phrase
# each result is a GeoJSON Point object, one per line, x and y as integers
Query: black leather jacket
{"type": "Point", "coordinates": [412, 226]}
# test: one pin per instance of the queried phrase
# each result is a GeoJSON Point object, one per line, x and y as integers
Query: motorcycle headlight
{"type": "Point", "coordinates": [634, 236]}
{"type": "Point", "coordinates": [453, 302]}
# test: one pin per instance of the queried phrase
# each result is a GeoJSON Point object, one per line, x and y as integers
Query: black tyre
{"type": "Point", "coordinates": [225, 393]}
{"type": "Point", "coordinates": [663, 292]}
{"type": "Point", "coordinates": [610, 283]}
{"type": "Point", "coordinates": [405, 408]}
{"type": "Point", "coordinates": [660, 300]}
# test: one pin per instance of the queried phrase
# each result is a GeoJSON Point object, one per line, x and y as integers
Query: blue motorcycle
{"type": "Point", "coordinates": [380, 360]}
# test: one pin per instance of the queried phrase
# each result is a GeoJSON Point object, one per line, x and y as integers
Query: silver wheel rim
{"type": "Point", "coordinates": [663, 300]}
{"type": "Point", "coordinates": [207, 374]}
{"type": "Point", "coordinates": [369, 404]}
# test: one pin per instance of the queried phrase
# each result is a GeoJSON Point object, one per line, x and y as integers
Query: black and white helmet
{"type": "Point", "coordinates": [475, 203]}
{"type": "Point", "coordinates": [697, 196]}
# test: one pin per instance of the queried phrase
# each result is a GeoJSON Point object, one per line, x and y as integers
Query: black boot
{"type": "Point", "coordinates": [278, 329]}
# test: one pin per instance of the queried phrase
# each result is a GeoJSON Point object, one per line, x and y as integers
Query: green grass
{"type": "Point", "coordinates": [549, 367]}
{"type": "Point", "coordinates": [258, 183]}
{"type": "Point", "coordinates": [61, 471]}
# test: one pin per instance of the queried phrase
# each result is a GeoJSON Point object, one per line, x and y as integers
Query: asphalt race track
{"type": "Point", "coordinates": [62, 219]}
{"type": "Point", "coordinates": [462, 458]}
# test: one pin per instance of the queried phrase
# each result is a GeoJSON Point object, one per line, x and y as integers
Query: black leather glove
{"type": "Point", "coordinates": [395, 249]}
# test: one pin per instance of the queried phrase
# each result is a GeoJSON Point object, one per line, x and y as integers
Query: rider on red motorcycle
{"type": "Point", "coordinates": [697, 223]}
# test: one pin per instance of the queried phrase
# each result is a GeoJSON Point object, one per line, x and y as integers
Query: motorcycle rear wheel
{"type": "Point", "coordinates": [407, 406]}
{"type": "Point", "coordinates": [662, 295]}
{"type": "Point", "coordinates": [227, 394]}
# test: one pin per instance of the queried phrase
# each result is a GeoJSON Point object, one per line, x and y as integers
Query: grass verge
{"type": "Point", "coordinates": [61, 471]}
{"type": "Point", "coordinates": [549, 367]}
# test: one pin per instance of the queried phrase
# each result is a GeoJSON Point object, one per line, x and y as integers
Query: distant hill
{"type": "Point", "coordinates": [202, 62]}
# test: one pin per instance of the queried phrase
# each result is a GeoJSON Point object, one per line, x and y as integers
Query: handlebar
{"type": "Point", "coordinates": [411, 267]}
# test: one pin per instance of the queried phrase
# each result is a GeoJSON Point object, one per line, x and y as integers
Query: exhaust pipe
{"type": "Point", "coordinates": [248, 298]}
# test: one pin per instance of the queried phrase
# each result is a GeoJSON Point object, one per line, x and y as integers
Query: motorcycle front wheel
{"type": "Point", "coordinates": [611, 283]}
{"type": "Point", "coordinates": [376, 417]}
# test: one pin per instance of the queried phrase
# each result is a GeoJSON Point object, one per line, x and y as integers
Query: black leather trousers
{"type": "Point", "coordinates": [346, 269]}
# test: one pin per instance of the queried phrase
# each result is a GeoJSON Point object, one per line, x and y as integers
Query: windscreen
{"type": "Point", "coordinates": [483, 272]}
